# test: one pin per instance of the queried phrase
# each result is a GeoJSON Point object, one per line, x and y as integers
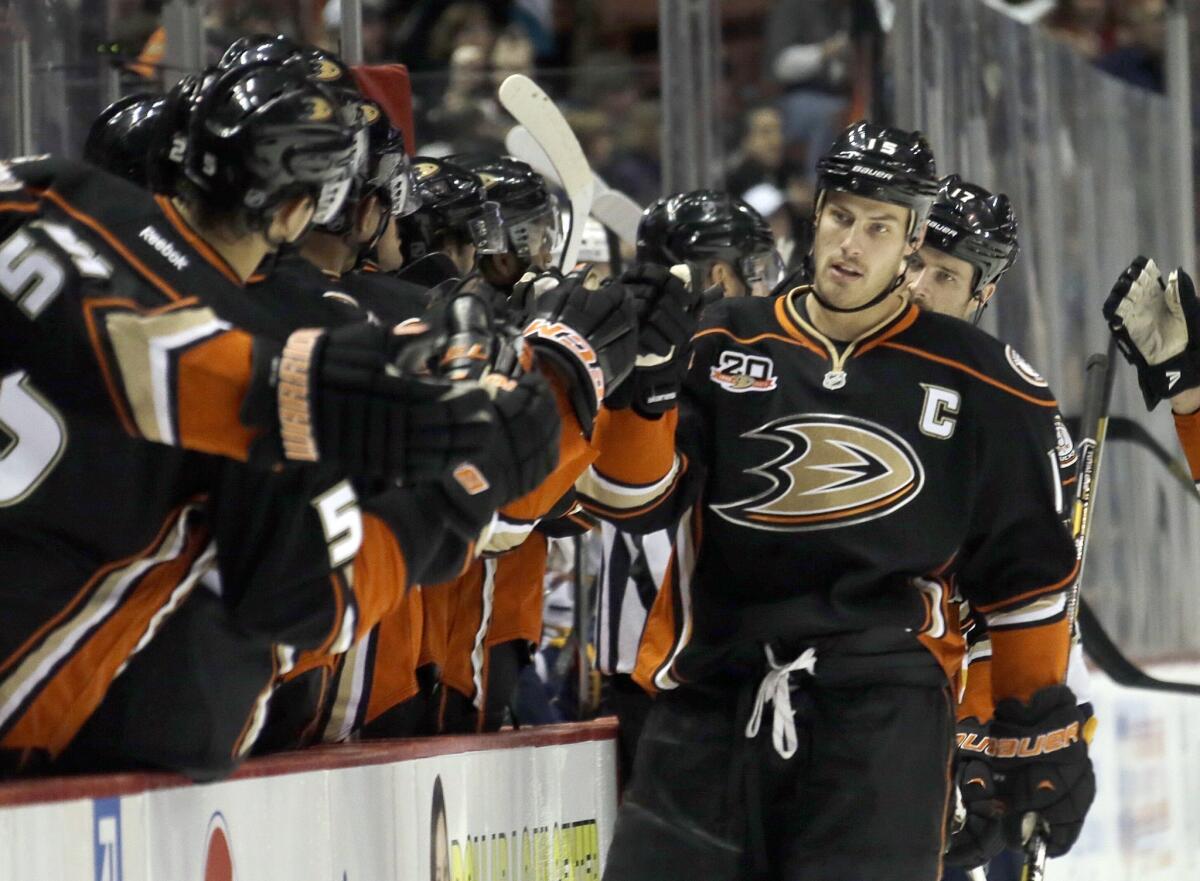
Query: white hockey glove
{"type": "Point", "coordinates": [1157, 328]}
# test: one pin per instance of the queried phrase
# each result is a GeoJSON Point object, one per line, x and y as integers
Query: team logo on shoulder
{"type": "Point", "coordinates": [1063, 445]}
{"type": "Point", "coordinates": [739, 372]}
{"type": "Point", "coordinates": [834, 471]}
{"type": "Point", "coordinates": [1024, 368]}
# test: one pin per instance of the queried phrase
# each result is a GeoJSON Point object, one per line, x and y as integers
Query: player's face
{"type": "Point", "coordinates": [941, 283]}
{"type": "Point", "coordinates": [859, 248]}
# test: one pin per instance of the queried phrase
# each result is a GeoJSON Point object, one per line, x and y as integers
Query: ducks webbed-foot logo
{"type": "Point", "coordinates": [834, 471]}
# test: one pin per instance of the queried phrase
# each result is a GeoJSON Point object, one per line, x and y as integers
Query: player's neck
{"type": "Point", "coordinates": [848, 326]}
{"type": "Point", "coordinates": [327, 252]}
{"type": "Point", "coordinates": [243, 253]}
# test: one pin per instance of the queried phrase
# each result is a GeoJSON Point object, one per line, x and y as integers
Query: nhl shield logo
{"type": "Point", "coordinates": [835, 471]}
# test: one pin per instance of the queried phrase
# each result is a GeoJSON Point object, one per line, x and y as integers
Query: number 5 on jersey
{"type": "Point", "coordinates": [32, 438]}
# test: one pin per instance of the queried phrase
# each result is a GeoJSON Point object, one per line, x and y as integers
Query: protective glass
{"type": "Point", "coordinates": [762, 272]}
{"type": "Point", "coordinates": [487, 230]}
{"type": "Point", "coordinates": [394, 177]}
{"type": "Point", "coordinates": [537, 233]}
{"type": "Point", "coordinates": [330, 201]}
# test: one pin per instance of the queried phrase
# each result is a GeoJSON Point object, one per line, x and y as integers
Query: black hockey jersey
{"type": "Point", "coordinates": [125, 339]}
{"type": "Point", "coordinates": [842, 486]}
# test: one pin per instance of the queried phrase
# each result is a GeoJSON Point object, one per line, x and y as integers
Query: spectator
{"type": "Point", "coordinates": [808, 52]}
{"type": "Point", "coordinates": [1081, 24]}
{"type": "Point", "coordinates": [760, 156]}
{"type": "Point", "coordinates": [1141, 44]}
{"type": "Point", "coordinates": [513, 52]}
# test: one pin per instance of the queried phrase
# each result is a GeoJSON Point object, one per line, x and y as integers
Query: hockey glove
{"type": "Point", "coordinates": [977, 834]}
{"type": "Point", "coordinates": [338, 397]}
{"type": "Point", "coordinates": [1039, 750]}
{"type": "Point", "coordinates": [1157, 328]}
{"type": "Point", "coordinates": [667, 315]}
{"type": "Point", "coordinates": [522, 454]}
{"type": "Point", "coordinates": [590, 336]}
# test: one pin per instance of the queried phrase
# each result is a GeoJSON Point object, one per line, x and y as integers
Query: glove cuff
{"type": "Point", "coordinates": [575, 358]}
{"type": "Point", "coordinates": [294, 395]}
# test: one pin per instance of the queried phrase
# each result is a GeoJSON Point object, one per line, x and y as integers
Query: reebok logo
{"type": "Point", "coordinates": [158, 242]}
{"type": "Point", "coordinates": [1173, 376]}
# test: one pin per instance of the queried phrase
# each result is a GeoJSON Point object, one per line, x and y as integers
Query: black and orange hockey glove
{"type": "Point", "coordinates": [523, 452]}
{"type": "Point", "coordinates": [337, 396]}
{"type": "Point", "coordinates": [1040, 752]}
{"type": "Point", "coordinates": [976, 831]}
{"type": "Point", "coordinates": [589, 335]}
{"type": "Point", "coordinates": [667, 311]}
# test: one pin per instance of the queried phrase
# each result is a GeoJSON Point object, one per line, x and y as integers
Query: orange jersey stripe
{"type": "Point", "coordinates": [397, 654]}
{"type": "Point", "coordinates": [1187, 426]}
{"type": "Point", "coordinates": [380, 575]}
{"type": "Point", "coordinates": [1028, 595]}
{"type": "Point", "coordinates": [214, 378]}
{"type": "Point", "coordinates": [97, 227]}
{"type": "Point", "coordinates": [66, 700]}
{"type": "Point", "coordinates": [575, 454]}
{"type": "Point", "coordinates": [517, 606]}
{"type": "Point", "coordinates": [635, 450]}
{"type": "Point", "coordinates": [977, 695]}
{"type": "Point", "coordinates": [982, 377]}
{"type": "Point", "coordinates": [1026, 659]}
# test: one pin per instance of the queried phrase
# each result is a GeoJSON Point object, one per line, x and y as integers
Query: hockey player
{"type": "Point", "coordinates": [970, 243]}
{"type": "Point", "coordinates": [169, 371]}
{"type": "Point", "coordinates": [724, 242]}
{"type": "Point", "coordinates": [729, 251]}
{"type": "Point", "coordinates": [840, 457]}
{"type": "Point", "coordinates": [456, 219]}
{"type": "Point", "coordinates": [1157, 327]}
{"type": "Point", "coordinates": [529, 213]}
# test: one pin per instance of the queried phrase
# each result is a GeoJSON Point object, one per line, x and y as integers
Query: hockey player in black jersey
{"type": "Point", "coordinates": [729, 252]}
{"type": "Point", "coordinates": [531, 222]}
{"type": "Point", "coordinates": [725, 243]}
{"type": "Point", "coordinates": [970, 243]}
{"type": "Point", "coordinates": [128, 334]}
{"type": "Point", "coordinates": [842, 457]}
{"type": "Point", "coordinates": [456, 221]}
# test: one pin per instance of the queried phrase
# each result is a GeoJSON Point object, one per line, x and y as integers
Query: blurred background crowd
{"type": "Point", "coordinates": [793, 71]}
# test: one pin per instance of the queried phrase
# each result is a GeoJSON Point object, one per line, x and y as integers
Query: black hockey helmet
{"type": "Point", "coordinates": [262, 133]}
{"type": "Point", "coordinates": [120, 139]}
{"type": "Point", "coordinates": [972, 224]}
{"type": "Point", "coordinates": [705, 225]}
{"type": "Point", "coordinates": [259, 47]}
{"type": "Point", "coordinates": [529, 210]}
{"type": "Point", "coordinates": [453, 202]}
{"type": "Point", "coordinates": [388, 170]}
{"type": "Point", "coordinates": [883, 163]}
{"type": "Point", "coordinates": [326, 68]}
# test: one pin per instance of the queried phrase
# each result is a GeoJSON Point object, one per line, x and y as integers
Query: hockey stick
{"type": "Point", "coordinates": [615, 210]}
{"type": "Point", "coordinates": [1093, 422]}
{"type": "Point", "coordinates": [1112, 661]}
{"type": "Point", "coordinates": [532, 108]}
{"type": "Point", "coordinates": [1122, 428]}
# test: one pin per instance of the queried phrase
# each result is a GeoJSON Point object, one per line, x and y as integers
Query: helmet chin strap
{"type": "Point", "coordinates": [874, 301]}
